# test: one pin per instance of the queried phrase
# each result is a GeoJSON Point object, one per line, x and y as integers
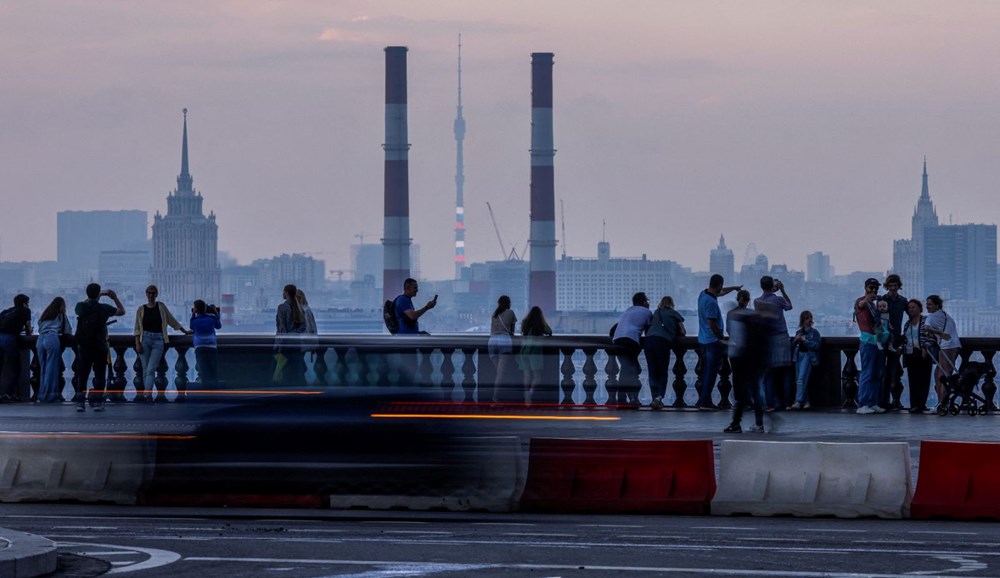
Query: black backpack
{"type": "Point", "coordinates": [90, 326]}
{"type": "Point", "coordinates": [389, 316]}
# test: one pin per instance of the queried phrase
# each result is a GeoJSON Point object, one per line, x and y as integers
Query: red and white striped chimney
{"type": "Point", "coordinates": [542, 283]}
{"type": "Point", "coordinates": [396, 234]}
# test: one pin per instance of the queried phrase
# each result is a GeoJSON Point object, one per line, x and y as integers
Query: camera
{"type": "Point", "coordinates": [211, 309]}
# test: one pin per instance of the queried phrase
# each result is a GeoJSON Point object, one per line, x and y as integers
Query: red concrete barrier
{"type": "Point", "coordinates": [619, 476]}
{"type": "Point", "coordinates": [957, 480]}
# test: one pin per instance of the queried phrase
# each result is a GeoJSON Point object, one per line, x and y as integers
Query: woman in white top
{"type": "Point", "coordinates": [942, 326]}
{"type": "Point", "coordinates": [501, 344]}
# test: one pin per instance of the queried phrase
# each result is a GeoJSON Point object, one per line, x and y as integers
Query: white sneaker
{"type": "Point", "coordinates": [878, 409]}
{"type": "Point", "coordinates": [757, 429]}
{"type": "Point", "coordinates": [657, 403]}
{"type": "Point", "coordinates": [865, 409]}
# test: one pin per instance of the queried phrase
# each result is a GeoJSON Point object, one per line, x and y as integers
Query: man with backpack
{"type": "Point", "coordinates": [92, 344]}
{"type": "Point", "coordinates": [406, 313]}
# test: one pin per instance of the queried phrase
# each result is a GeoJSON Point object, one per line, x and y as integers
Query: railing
{"type": "Point", "coordinates": [579, 370]}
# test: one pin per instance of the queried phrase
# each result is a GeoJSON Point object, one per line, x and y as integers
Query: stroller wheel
{"type": "Point", "coordinates": [984, 409]}
{"type": "Point", "coordinates": [955, 409]}
{"type": "Point", "coordinates": [973, 411]}
{"type": "Point", "coordinates": [942, 410]}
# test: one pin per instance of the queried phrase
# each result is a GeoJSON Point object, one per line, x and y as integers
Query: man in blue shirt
{"type": "Point", "coordinates": [711, 337]}
{"type": "Point", "coordinates": [405, 312]}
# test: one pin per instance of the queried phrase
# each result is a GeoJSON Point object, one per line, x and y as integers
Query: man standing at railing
{"type": "Point", "coordinates": [872, 356]}
{"type": "Point", "coordinates": [92, 344]}
{"type": "Point", "coordinates": [711, 337]}
{"type": "Point", "coordinates": [13, 322]}
{"type": "Point", "coordinates": [627, 337]}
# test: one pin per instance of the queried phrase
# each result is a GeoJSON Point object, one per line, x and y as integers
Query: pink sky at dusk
{"type": "Point", "coordinates": [796, 125]}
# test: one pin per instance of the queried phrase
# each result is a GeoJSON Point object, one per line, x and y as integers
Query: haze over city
{"type": "Point", "coordinates": [799, 126]}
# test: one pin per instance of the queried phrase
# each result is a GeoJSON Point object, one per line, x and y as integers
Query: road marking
{"type": "Point", "coordinates": [965, 564]}
{"type": "Point", "coordinates": [501, 524]}
{"type": "Point", "coordinates": [84, 527]}
{"type": "Point", "coordinates": [454, 567]}
{"type": "Point", "coordinates": [611, 525]}
{"type": "Point", "coordinates": [194, 529]}
{"type": "Point", "coordinates": [315, 531]}
{"type": "Point", "coordinates": [156, 558]}
{"type": "Point", "coordinates": [421, 532]}
{"type": "Point", "coordinates": [540, 534]}
{"type": "Point", "coordinates": [830, 530]}
{"type": "Point", "coordinates": [778, 539]}
{"type": "Point", "coordinates": [652, 537]}
{"type": "Point", "coordinates": [943, 533]}
{"type": "Point", "coordinates": [722, 528]}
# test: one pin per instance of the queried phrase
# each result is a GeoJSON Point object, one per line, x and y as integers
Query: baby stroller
{"type": "Point", "coordinates": [961, 387]}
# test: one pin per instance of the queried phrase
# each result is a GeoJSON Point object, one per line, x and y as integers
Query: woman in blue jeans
{"type": "Point", "coordinates": [806, 342]}
{"type": "Point", "coordinates": [52, 325]}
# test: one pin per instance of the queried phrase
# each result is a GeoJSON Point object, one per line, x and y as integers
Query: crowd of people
{"type": "Point", "coordinates": [295, 331]}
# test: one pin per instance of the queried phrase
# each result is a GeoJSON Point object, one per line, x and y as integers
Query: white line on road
{"type": "Point", "coordinates": [315, 531]}
{"type": "Point", "coordinates": [539, 534]}
{"type": "Point", "coordinates": [421, 532]}
{"type": "Point", "coordinates": [747, 529]}
{"type": "Point", "coordinates": [84, 527]}
{"type": "Point", "coordinates": [500, 524]}
{"type": "Point", "coordinates": [156, 559]}
{"type": "Point", "coordinates": [441, 567]}
{"type": "Point", "coordinates": [830, 530]}
{"type": "Point", "coordinates": [611, 525]}
{"type": "Point", "coordinates": [943, 533]}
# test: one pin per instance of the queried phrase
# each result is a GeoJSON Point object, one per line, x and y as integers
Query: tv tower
{"type": "Point", "coordinates": [459, 175]}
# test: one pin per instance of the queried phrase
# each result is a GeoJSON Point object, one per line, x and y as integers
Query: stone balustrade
{"type": "Point", "coordinates": [580, 370]}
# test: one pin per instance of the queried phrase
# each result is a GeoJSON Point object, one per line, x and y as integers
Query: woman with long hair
{"type": "Point", "coordinates": [666, 326]}
{"type": "Point", "coordinates": [151, 322]}
{"type": "Point", "coordinates": [52, 325]}
{"type": "Point", "coordinates": [806, 355]}
{"type": "Point", "coordinates": [917, 344]}
{"type": "Point", "coordinates": [311, 330]}
{"type": "Point", "coordinates": [533, 328]}
{"type": "Point", "coordinates": [942, 326]}
{"type": "Point", "coordinates": [501, 344]}
{"type": "Point", "coordinates": [290, 323]}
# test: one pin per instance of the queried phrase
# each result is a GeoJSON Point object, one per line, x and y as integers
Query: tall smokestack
{"type": "Point", "coordinates": [459, 175]}
{"type": "Point", "coordinates": [542, 283]}
{"type": "Point", "coordinates": [396, 240]}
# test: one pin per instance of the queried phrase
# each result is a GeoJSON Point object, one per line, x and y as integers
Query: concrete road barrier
{"type": "Point", "coordinates": [958, 480]}
{"type": "Point", "coordinates": [619, 476]}
{"type": "Point", "coordinates": [846, 480]}
{"type": "Point", "coordinates": [85, 468]}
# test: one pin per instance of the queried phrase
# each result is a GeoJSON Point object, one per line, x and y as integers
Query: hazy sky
{"type": "Point", "coordinates": [796, 125]}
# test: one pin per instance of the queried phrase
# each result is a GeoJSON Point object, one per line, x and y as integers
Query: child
{"type": "Point", "coordinates": [204, 322]}
{"type": "Point", "coordinates": [883, 332]}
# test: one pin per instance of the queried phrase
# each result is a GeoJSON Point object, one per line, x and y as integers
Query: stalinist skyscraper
{"type": "Point", "coordinates": [185, 264]}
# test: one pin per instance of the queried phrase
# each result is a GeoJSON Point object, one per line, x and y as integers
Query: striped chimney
{"type": "Point", "coordinates": [396, 240]}
{"type": "Point", "coordinates": [542, 282]}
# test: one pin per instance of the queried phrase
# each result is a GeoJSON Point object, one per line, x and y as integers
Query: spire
{"type": "Point", "coordinates": [185, 184]}
{"type": "Point", "coordinates": [925, 193]}
{"type": "Point", "coordinates": [722, 241]}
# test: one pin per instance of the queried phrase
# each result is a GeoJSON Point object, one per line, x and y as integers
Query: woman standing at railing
{"type": "Point", "coordinates": [533, 328]}
{"type": "Point", "coordinates": [311, 330]}
{"type": "Point", "coordinates": [807, 342]}
{"type": "Point", "coordinates": [942, 326]}
{"type": "Point", "coordinates": [501, 344]}
{"type": "Point", "coordinates": [151, 322]}
{"type": "Point", "coordinates": [290, 325]}
{"type": "Point", "coordinates": [917, 360]}
{"type": "Point", "coordinates": [52, 325]}
{"type": "Point", "coordinates": [667, 325]}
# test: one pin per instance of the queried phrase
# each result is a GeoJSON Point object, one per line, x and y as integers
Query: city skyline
{"type": "Point", "coordinates": [769, 124]}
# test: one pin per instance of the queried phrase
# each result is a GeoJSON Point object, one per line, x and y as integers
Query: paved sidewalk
{"type": "Point", "coordinates": [25, 555]}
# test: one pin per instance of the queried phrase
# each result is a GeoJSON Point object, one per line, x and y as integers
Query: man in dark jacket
{"type": "Point", "coordinates": [13, 322]}
{"type": "Point", "coordinates": [92, 344]}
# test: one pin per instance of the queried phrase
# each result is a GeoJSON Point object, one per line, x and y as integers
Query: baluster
{"type": "Point", "coordinates": [447, 373]}
{"type": "Point", "coordinates": [611, 384]}
{"type": "Point", "coordinates": [119, 381]}
{"type": "Point", "coordinates": [181, 379]}
{"type": "Point", "coordinates": [34, 374]}
{"type": "Point", "coordinates": [680, 371]}
{"type": "Point", "coordinates": [140, 388]}
{"type": "Point", "coordinates": [469, 373]}
{"type": "Point", "coordinates": [340, 367]}
{"type": "Point", "coordinates": [75, 380]}
{"type": "Point", "coordinates": [589, 376]}
{"type": "Point", "coordinates": [989, 383]}
{"type": "Point", "coordinates": [896, 385]}
{"type": "Point", "coordinates": [160, 381]}
{"type": "Point", "coordinates": [62, 377]}
{"type": "Point", "coordinates": [319, 366]}
{"type": "Point", "coordinates": [725, 385]}
{"type": "Point", "coordinates": [384, 369]}
{"type": "Point", "coordinates": [849, 379]}
{"type": "Point", "coordinates": [364, 367]}
{"type": "Point", "coordinates": [425, 369]}
{"type": "Point", "coordinates": [567, 369]}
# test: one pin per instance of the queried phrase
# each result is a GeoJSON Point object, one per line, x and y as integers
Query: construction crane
{"type": "Point", "coordinates": [512, 256]}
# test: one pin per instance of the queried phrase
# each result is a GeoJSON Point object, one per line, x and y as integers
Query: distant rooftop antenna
{"type": "Point", "coordinates": [604, 227]}
{"type": "Point", "coordinates": [562, 213]}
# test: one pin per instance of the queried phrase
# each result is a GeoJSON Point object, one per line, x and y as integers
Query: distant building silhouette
{"type": "Point", "coordinates": [185, 241]}
{"type": "Point", "coordinates": [959, 262]}
{"type": "Point", "coordinates": [81, 237]}
{"type": "Point", "coordinates": [722, 261]}
{"type": "Point", "coordinates": [818, 269]}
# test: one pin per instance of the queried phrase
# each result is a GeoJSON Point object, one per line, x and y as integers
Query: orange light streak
{"type": "Point", "coordinates": [488, 416]}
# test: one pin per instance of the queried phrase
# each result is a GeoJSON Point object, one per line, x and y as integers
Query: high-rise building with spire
{"type": "Point", "coordinates": [722, 261]}
{"type": "Point", "coordinates": [459, 175]}
{"type": "Point", "coordinates": [185, 241]}
{"type": "Point", "coordinates": [907, 254]}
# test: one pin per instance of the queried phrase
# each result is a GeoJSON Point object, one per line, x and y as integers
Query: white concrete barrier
{"type": "Point", "coordinates": [91, 468]}
{"type": "Point", "coordinates": [846, 480]}
{"type": "Point", "coordinates": [492, 466]}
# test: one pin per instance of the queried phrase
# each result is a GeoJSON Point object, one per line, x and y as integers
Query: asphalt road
{"type": "Point", "coordinates": [146, 542]}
